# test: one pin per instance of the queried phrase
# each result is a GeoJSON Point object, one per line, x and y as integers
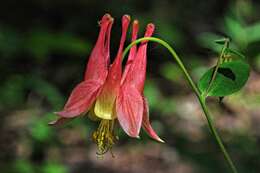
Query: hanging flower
{"type": "Point", "coordinates": [106, 94]}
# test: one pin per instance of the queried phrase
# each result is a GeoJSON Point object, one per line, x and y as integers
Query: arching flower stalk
{"type": "Point", "coordinates": [107, 94]}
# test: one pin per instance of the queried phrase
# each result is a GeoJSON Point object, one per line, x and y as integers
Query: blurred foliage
{"type": "Point", "coordinates": [44, 46]}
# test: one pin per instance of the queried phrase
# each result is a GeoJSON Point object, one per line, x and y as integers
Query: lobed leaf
{"type": "Point", "coordinates": [230, 78]}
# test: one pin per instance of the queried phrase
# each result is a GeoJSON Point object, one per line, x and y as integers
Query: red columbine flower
{"type": "Point", "coordinates": [106, 94]}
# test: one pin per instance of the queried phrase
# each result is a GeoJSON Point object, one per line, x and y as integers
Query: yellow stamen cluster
{"type": "Point", "coordinates": [104, 137]}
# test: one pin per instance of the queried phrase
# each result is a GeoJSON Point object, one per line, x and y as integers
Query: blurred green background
{"type": "Point", "coordinates": [44, 45]}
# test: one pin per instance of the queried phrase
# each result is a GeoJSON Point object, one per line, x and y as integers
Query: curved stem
{"type": "Point", "coordinates": [202, 99]}
{"type": "Point", "coordinates": [174, 54]}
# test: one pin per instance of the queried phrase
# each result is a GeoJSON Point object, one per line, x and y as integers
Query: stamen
{"type": "Point", "coordinates": [104, 137]}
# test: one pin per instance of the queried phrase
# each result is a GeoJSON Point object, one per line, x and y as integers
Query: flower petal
{"type": "Point", "coordinates": [81, 99]}
{"type": "Point", "coordinates": [133, 49]}
{"type": "Point", "coordinates": [107, 43]}
{"type": "Point", "coordinates": [137, 71]}
{"type": "Point", "coordinates": [129, 109]}
{"type": "Point", "coordinates": [97, 67]}
{"type": "Point", "coordinates": [147, 125]}
{"type": "Point", "coordinates": [104, 107]}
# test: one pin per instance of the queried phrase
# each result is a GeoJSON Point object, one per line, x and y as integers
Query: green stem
{"type": "Point", "coordinates": [202, 99]}
{"type": "Point", "coordinates": [226, 44]}
{"type": "Point", "coordinates": [213, 130]}
{"type": "Point", "coordinates": [174, 54]}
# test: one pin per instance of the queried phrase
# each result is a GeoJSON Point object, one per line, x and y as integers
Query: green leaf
{"type": "Point", "coordinates": [236, 31]}
{"type": "Point", "coordinates": [205, 40]}
{"type": "Point", "coordinates": [232, 51]}
{"type": "Point", "coordinates": [253, 33]}
{"type": "Point", "coordinates": [230, 78]}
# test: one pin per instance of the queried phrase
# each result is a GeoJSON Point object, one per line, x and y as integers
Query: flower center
{"type": "Point", "coordinates": [104, 137]}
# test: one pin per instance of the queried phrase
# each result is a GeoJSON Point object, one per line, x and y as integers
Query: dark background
{"type": "Point", "coordinates": [44, 45]}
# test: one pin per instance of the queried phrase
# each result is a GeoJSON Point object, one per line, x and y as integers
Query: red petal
{"type": "Point", "coordinates": [97, 67]}
{"type": "Point", "coordinates": [132, 52]}
{"type": "Point", "coordinates": [137, 71]}
{"type": "Point", "coordinates": [125, 23]}
{"type": "Point", "coordinates": [105, 102]}
{"type": "Point", "coordinates": [81, 99]}
{"type": "Point", "coordinates": [107, 43]}
{"type": "Point", "coordinates": [129, 109]}
{"type": "Point", "coordinates": [115, 70]}
{"type": "Point", "coordinates": [146, 123]}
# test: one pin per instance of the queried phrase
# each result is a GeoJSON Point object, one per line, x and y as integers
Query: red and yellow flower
{"type": "Point", "coordinates": [107, 94]}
